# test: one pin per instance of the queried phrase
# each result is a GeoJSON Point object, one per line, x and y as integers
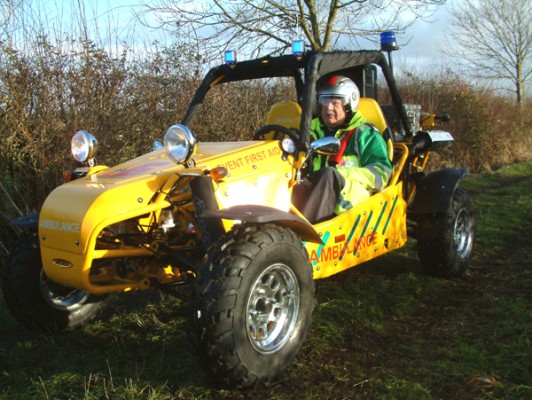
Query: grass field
{"type": "Point", "coordinates": [383, 330]}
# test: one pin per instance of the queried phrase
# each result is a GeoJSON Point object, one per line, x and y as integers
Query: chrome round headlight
{"type": "Point", "coordinates": [83, 146]}
{"type": "Point", "coordinates": [288, 145]}
{"type": "Point", "coordinates": [180, 143]}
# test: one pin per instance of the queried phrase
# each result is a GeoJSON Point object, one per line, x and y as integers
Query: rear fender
{"type": "Point", "coordinates": [435, 190]}
{"type": "Point", "coordinates": [262, 215]}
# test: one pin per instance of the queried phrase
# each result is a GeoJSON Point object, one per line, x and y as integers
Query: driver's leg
{"type": "Point", "coordinates": [324, 195]}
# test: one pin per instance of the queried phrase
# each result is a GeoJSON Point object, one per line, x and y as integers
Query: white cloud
{"type": "Point", "coordinates": [424, 42]}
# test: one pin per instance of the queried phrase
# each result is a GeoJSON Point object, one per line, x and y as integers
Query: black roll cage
{"type": "Point", "coordinates": [306, 70]}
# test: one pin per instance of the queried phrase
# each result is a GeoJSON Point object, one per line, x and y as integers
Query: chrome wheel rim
{"type": "Point", "coordinates": [272, 308]}
{"type": "Point", "coordinates": [60, 297]}
{"type": "Point", "coordinates": [462, 233]}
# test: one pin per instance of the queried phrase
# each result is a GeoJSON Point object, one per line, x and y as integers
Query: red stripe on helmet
{"type": "Point", "coordinates": [332, 80]}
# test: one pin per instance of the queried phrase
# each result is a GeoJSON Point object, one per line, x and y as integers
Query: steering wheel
{"type": "Point", "coordinates": [280, 132]}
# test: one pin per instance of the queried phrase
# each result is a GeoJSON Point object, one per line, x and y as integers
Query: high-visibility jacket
{"type": "Point", "coordinates": [364, 162]}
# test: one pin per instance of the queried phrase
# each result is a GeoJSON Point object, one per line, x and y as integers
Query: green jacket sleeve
{"type": "Point", "coordinates": [371, 166]}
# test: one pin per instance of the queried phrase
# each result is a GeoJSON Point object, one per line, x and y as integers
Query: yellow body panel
{"type": "Point", "coordinates": [71, 212]}
{"type": "Point", "coordinates": [373, 227]}
{"type": "Point", "coordinates": [260, 177]}
{"type": "Point", "coordinates": [257, 175]}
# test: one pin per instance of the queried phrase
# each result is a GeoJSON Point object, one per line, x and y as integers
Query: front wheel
{"type": "Point", "coordinates": [36, 302]}
{"type": "Point", "coordinates": [445, 240]}
{"type": "Point", "coordinates": [253, 303]}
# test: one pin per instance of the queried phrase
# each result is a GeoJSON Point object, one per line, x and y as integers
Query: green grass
{"type": "Point", "coordinates": [383, 330]}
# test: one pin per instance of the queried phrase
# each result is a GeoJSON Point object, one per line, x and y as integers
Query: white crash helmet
{"type": "Point", "coordinates": [338, 86]}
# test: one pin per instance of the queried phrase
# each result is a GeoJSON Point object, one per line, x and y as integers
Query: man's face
{"type": "Point", "coordinates": [333, 114]}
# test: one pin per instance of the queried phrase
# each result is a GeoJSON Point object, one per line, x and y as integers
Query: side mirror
{"type": "Point", "coordinates": [327, 145]}
{"type": "Point", "coordinates": [157, 145]}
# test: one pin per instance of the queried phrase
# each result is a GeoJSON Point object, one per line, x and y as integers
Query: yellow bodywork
{"type": "Point", "coordinates": [75, 215]}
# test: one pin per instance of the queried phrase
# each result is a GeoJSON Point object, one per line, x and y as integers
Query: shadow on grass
{"type": "Point", "coordinates": [137, 343]}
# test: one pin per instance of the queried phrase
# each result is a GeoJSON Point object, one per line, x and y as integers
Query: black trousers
{"type": "Point", "coordinates": [317, 197]}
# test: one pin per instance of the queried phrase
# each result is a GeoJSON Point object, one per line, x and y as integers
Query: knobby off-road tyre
{"type": "Point", "coordinates": [445, 240]}
{"type": "Point", "coordinates": [252, 305]}
{"type": "Point", "coordinates": [37, 303]}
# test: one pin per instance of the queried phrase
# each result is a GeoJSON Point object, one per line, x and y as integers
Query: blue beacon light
{"type": "Point", "coordinates": [388, 41]}
{"type": "Point", "coordinates": [230, 57]}
{"type": "Point", "coordinates": [389, 44]}
{"type": "Point", "coordinates": [298, 47]}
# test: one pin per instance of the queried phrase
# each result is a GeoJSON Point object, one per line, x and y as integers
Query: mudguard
{"type": "Point", "coordinates": [434, 191]}
{"type": "Point", "coordinates": [262, 214]}
{"type": "Point", "coordinates": [26, 222]}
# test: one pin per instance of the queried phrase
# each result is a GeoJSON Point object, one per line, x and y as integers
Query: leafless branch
{"type": "Point", "coordinates": [274, 23]}
{"type": "Point", "coordinates": [493, 39]}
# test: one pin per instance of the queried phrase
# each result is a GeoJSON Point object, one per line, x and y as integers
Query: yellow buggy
{"type": "Point", "coordinates": [213, 222]}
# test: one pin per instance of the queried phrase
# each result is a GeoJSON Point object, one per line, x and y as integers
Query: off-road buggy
{"type": "Point", "coordinates": [218, 218]}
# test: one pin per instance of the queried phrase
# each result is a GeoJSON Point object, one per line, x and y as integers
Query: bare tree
{"type": "Point", "coordinates": [269, 26]}
{"type": "Point", "coordinates": [493, 37]}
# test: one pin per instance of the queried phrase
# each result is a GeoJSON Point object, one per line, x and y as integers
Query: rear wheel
{"type": "Point", "coordinates": [446, 240]}
{"type": "Point", "coordinates": [35, 301]}
{"type": "Point", "coordinates": [253, 304]}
